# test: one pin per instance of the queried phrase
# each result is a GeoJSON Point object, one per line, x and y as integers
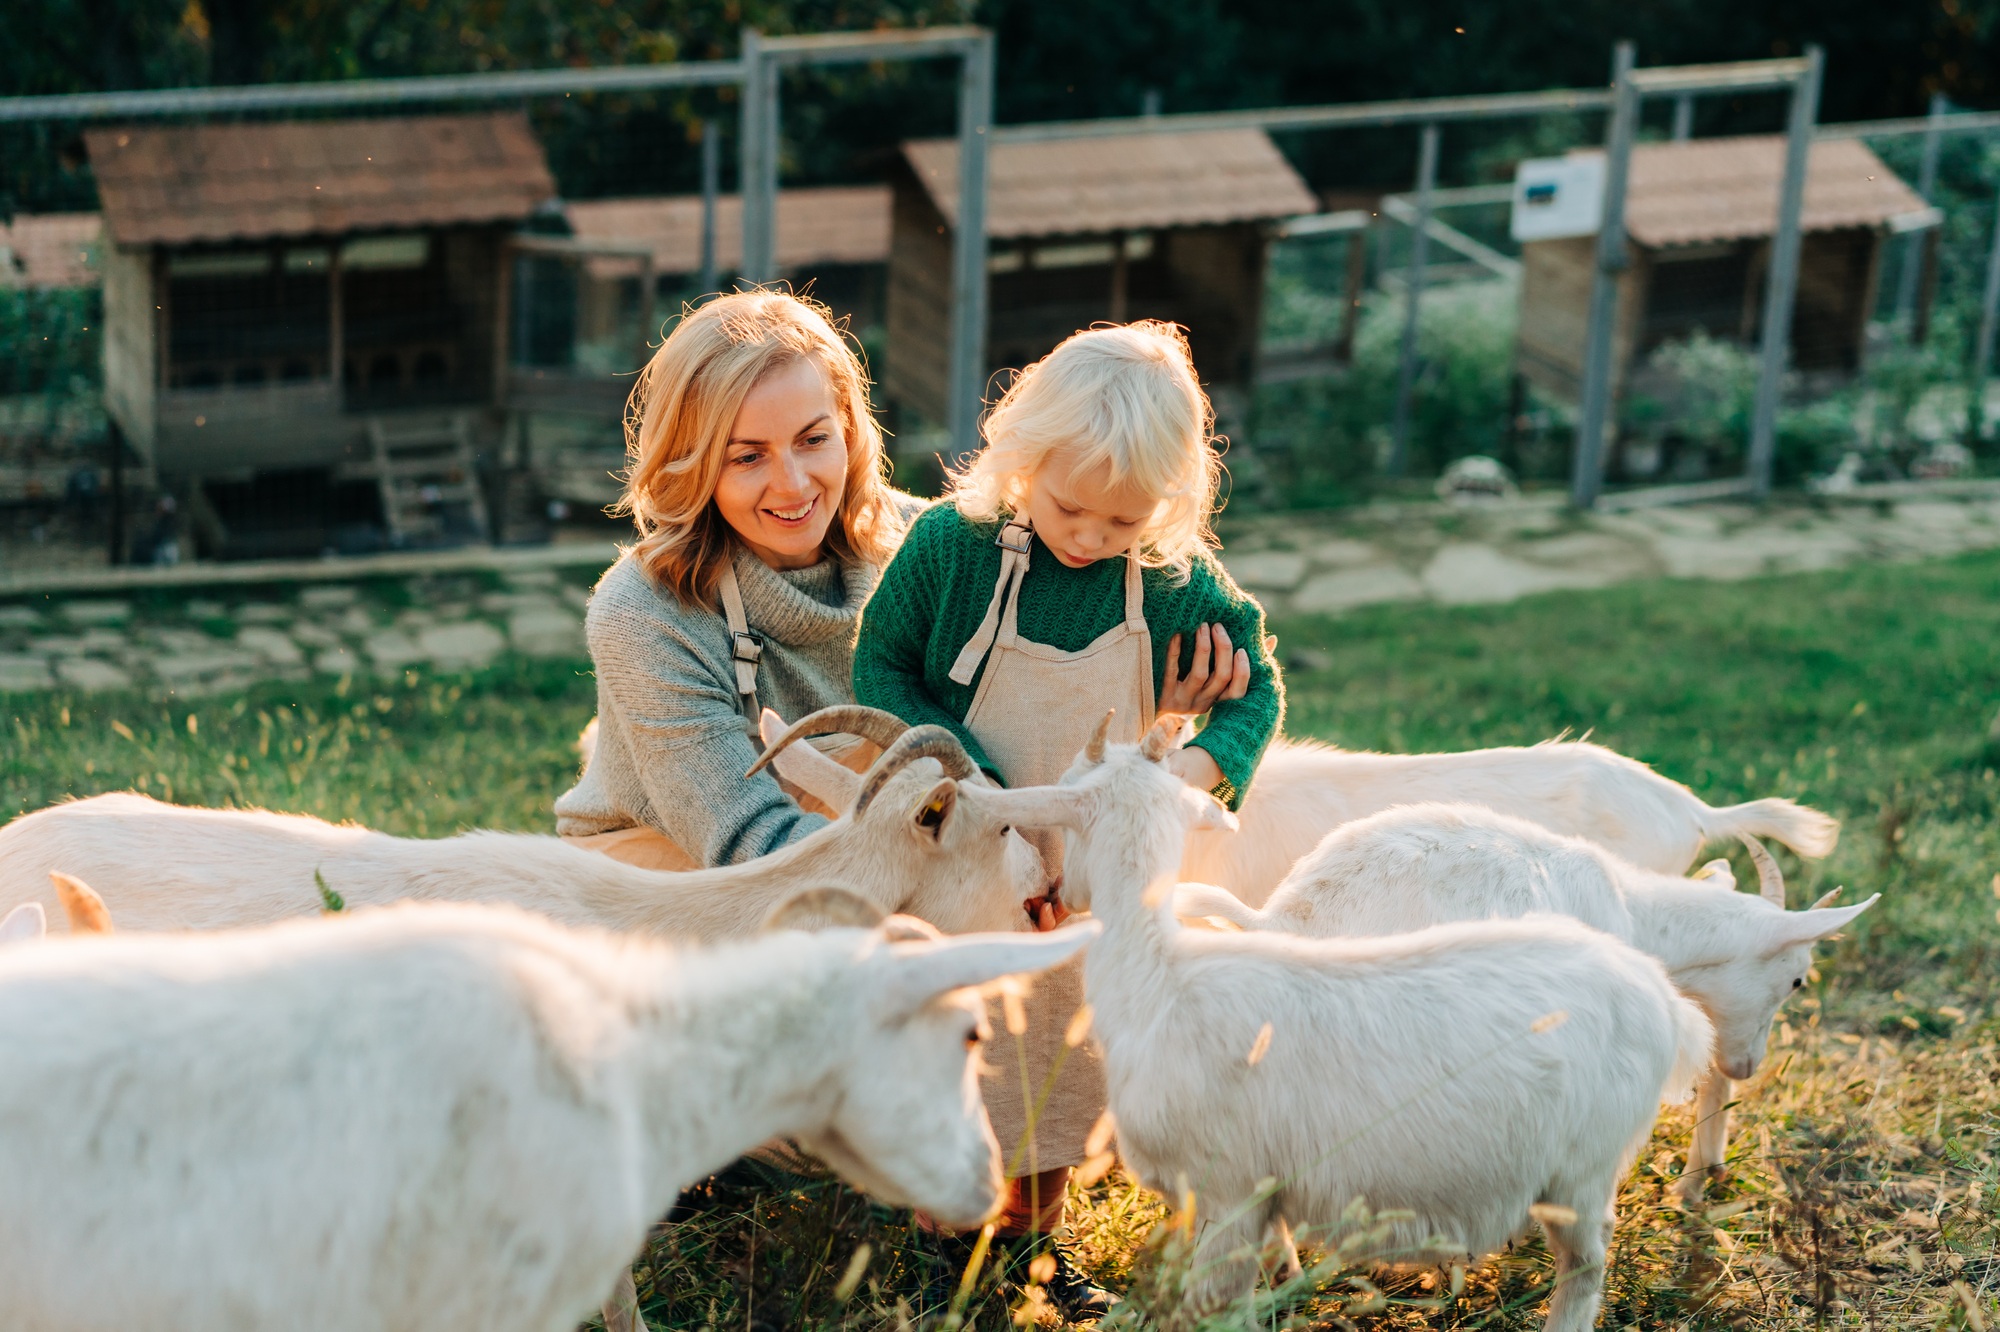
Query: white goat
{"type": "Point", "coordinates": [918, 837]}
{"type": "Point", "coordinates": [1464, 1073]}
{"type": "Point", "coordinates": [1739, 957]}
{"type": "Point", "coordinates": [1304, 790]}
{"type": "Point", "coordinates": [449, 1115]}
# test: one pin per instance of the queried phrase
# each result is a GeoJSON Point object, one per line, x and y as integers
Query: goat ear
{"type": "Point", "coordinates": [917, 973]}
{"type": "Point", "coordinates": [25, 921]}
{"type": "Point", "coordinates": [1207, 814]}
{"type": "Point", "coordinates": [85, 909]}
{"type": "Point", "coordinates": [1039, 806]}
{"type": "Point", "coordinates": [824, 908]}
{"type": "Point", "coordinates": [1797, 927]}
{"type": "Point", "coordinates": [935, 809]}
{"type": "Point", "coordinates": [809, 769]}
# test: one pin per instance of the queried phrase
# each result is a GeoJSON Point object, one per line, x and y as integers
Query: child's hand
{"type": "Point", "coordinates": [1203, 687]}
{"type": "Point", "coordinates": [1193, 765]}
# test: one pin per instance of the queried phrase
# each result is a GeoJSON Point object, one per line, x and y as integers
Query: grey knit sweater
{"type": "Point", "coordinates": [671, 746]}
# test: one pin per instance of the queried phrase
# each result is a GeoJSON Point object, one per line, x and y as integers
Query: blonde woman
{"type": "Point", "coordinates": [1064, 577]}
{"type": "Point", "coordinates": [757, 487]}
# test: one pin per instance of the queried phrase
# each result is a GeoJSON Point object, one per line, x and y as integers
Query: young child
{"type": "Point", "coordinates": [1063, 578]}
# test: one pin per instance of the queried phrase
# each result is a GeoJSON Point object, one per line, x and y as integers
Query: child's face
{"type": "Point", "coordinates": [786, 466]}
{"type": "Point", "coordinates": [1081, 516]}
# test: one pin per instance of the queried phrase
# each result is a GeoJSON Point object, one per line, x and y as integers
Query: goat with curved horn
{"type": "Point", "coordinates": [1770, 879]}
{"type": "Point", "coordinates": [919, 742]}
{"type": "Point", "coordinates": [1094, 749]}
{"type": "Point", "coordinates": [884, 728]}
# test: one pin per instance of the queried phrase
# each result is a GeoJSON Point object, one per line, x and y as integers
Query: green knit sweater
{"type": "Point", "coordinates": [935, 592]}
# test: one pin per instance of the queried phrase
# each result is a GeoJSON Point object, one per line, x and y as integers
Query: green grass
{"type": "Point", "coordinates": [1865, 1185]}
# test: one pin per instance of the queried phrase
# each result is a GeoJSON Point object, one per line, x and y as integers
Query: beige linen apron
{"type": "Point", "coordinates": [1035, 707]}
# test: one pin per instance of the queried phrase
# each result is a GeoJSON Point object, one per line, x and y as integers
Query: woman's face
{"type": "Point", "coordinates": [785, 467]}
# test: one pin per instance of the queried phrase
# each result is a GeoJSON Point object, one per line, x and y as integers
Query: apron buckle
{"type": "Point", "coordinates": [1027, 539]}
{"type": "Point", "coordinates": [748, 648]}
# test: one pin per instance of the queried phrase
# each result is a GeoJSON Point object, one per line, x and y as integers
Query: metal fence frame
{"type": "Point", "coordinates": [755, 73]}
{"type": "Point", "coordinates": [1630, 87]}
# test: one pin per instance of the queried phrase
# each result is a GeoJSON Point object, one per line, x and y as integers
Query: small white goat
{"type": "Point", "coordinates": [1464, 1073]}
{"type": "Point", "coordinates": [918, 837]}
{"type": "Point", "coordinates": [1304, 790]}
{"type": "Point", "coordinates": [449, 1115]}
{"type": "Point", "coordinates": [1739, 957]}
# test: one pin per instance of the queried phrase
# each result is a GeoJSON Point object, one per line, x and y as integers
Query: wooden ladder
{"type": "Point", "coordinates": [421, 470]}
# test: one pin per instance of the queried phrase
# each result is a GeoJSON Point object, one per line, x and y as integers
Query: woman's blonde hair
{"type": "Point", "coordinates": [677, 435]}
{"type": "Point", "coordinates": [1120, 401]}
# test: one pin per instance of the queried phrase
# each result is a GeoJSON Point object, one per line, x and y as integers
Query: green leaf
{"type": "Point", "coordinates": [329, 901]}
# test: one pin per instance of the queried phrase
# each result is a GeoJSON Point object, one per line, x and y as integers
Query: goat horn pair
{"type": "Point", "coordinates": [1770, 879]}
{"type": "Point", "coordinates": [1159, 741]}
{"type": "Point", "coordinates": [919, 742]}
{"type": "Point", "coordinates": [846, 719]}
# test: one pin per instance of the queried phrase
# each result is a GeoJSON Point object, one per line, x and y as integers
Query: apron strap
{"type": "Point", "coordinates": [1015, 540]}
{"type": "Point", "coordinates": [1135, 593]}
{"type": "Point", "coordinates": [745, 647]}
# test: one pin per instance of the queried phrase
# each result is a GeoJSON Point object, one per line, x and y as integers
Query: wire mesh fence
{"type": "Point", "coordinates": [285, 358]}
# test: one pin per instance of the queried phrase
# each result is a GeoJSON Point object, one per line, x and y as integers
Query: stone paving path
{"type": "Point", "coordinates": [221, 639]}
{"type": "Point", "coordinates": [1502, 551]}
{"type": "Point", "coordinates": [208, 644]}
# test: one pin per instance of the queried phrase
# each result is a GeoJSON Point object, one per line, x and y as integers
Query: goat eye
{"type": "Point", "coordinates": [1797, 981]}
{"type": "Point", "coordinates": [1006, 828]}
{"type": "Point", "coordinates": [972, 1038]}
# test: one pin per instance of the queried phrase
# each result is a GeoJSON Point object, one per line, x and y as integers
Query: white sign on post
{"type": "Point", "coordinates": [1557, 197]}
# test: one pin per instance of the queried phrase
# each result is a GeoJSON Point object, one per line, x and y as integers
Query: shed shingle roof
{"type": "Point", "coordinates": [178, 185]}
{"type": "Point", "coordinates": [1704, 190]}
{"type": "Point", "coordinates": [49, 250]}
{"type": "Point", "coordinates": [1120, 182]}
{"type": "Point", "coordinates": [836, 225]}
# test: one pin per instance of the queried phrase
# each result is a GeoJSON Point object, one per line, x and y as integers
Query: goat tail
{"type": "Point", "coordinates": [1802, 828]}
{"type": "Point", "coordinates": [586, 748]}
{"type": "Point", "coordinates": [1694, 1050]}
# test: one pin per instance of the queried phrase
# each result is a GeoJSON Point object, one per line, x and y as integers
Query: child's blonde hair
{"type": "Point", "coordinates": [1120, 401]}
{"type": "Point", "coordinates": [677, 435]}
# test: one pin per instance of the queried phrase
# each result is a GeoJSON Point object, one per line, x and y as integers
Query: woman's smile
{"type": "Point", "coordinates": [795, 515]}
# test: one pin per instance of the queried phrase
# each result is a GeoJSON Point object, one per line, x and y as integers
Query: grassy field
{"type": "Point", "coordinates": [1865, 1187]}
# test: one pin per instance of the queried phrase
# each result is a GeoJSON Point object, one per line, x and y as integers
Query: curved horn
{"type": "Point", "coordinates": [918, 742]}
{"type": "Point", "coordinates": [1094, 750]}
{"type": "Point", "coordinates": [884, 728]}
{"type": "Point", "coordinates": [1160, 740]}
{"type": "Point", "coordinates": [1770, 879]}
{"type": "Point", "coordinates": [824, 908]}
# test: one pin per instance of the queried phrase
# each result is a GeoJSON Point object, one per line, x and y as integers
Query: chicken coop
{"type": "Point", "coordinates": [832, 241]}
{"type": "Point", "coordinates": [1170, 226]}
{"type": "Point", "coordinates": [305, 322]}
{"type": "Point", "coordinates": [1700, 215]}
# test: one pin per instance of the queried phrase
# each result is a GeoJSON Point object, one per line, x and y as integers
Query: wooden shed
{"type": "Point", "coordinates": [1700, 215]}
{"type": "Point", "coordinates": [833, 240]}
{"type": "Point", "coordinates": [285, 296]}
{"type": "Point", "coordinates": [1148, 226]}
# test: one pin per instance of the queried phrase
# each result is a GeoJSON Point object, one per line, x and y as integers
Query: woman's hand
{"type": "Point", "coordinates": [1216, 673]}
{"type": "Point", "coordinates": [1046, 912]}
